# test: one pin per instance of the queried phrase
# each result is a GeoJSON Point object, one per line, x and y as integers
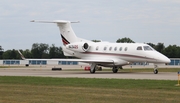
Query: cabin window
{"type": "Point", "coordinates": [147, 48]}
{"type": "Point", "coordinates": [139, 48]}
{"type": "Point", "coordinates": [125, 49]}
{"type": "Point", "coordinates": [120, 48]}
{"type": "Point", "coordinates": [110, 48]}
{"type": "Point", "coordinates": [115, 48]}
{"type": "Point", "coordinates": [97, 48]}
{"type": "Point", "coordinates": [105, 48]}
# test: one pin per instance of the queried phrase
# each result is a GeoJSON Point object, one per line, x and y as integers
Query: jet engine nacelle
{"type": "Point", "coordinates": [78, 46]}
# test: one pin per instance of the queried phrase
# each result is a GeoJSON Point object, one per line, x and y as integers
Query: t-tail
{"type": "Point", "coordinates": [67, 34]}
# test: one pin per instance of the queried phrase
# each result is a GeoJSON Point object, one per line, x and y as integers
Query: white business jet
{"type": "Point", "coordinates": [105, 54]}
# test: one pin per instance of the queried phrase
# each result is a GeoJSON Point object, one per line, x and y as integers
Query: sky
{"type": "Point", "coordinates": [143, 21]}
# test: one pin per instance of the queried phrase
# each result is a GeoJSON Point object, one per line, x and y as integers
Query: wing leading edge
{"type": "Point", "coordinates": [78, 60]}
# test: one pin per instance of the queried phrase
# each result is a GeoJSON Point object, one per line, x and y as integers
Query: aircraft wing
{"type": "Point", "coordinates": [78, 60]}
{"type": "Point", "coordinates": [97, 61]}
{"type": "Point", "coordinates": [87, 60]}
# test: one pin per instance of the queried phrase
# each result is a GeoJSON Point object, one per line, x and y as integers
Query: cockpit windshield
{"type": "Point", "coordinates": [139, 48]}
{"type": "Point", "coordinates": [147, 48]}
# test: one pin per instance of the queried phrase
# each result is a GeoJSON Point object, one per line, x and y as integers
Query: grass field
{"type": "Point", "coordinates": [81, 90]}
{"type": "Point", "coordinates": [134, 70]}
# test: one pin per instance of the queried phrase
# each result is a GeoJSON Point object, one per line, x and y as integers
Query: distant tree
{"type": "Point", "coordinates": [7, 54]}
{"type": "Point", "coordinates": [27, 53]}
{"type": "Point", "coordinates": [160, 47]}
{"type": "Point", "coordinates": [152, 45]}
{"type": "Point", "coordinates": [125, 40]}
{"type": "Point", "coordinates": [55, 52]}
{"type": "Point", "coordinates": [11, 54]}
{"type": "Point", "coordinates": [1, 49]}
{"type": "Point", "coordinates": [35, 51]}
{"type": "Point", "coordinates": [40, 50]}
{"type": "Point", "coordinates": [172, 51]}
{"type": "Point", "coordinates": [1, 52]}
{"type": "Point", "coordinates": [52, 51]}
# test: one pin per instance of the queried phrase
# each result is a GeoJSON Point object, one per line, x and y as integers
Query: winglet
{"type": "Point", "coordinates": [21, 55]}
{"type": "Point", "coordinates": [32, 21]}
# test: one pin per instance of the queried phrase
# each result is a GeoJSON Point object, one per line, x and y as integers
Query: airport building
{"type": "Point", "coordinates": [39, 62]}
{"type": "Point", "coordinates": [174, 61]}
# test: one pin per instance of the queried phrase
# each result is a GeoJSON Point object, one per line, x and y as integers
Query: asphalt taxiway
{"type": "Point", "coordinates": [86, 74]}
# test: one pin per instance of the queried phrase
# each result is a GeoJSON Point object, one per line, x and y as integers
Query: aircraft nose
{"type": "Point", "coordinates": [164, 59]}
{"type": "Point", "coordinates": [167, 60]}
{"type": "Point", "coordinates": [160, 58]}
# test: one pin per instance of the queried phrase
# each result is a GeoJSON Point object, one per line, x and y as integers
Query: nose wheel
{"type": "Point", "coordinates": [155, 69]}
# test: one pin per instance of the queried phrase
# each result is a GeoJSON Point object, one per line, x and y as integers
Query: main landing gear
{"type": "Point", "coordinates": [93, 68]}
{"type": "Point", "coordinates": [155, 69]}
{"type": "Point", "coordinates": [115, 69]}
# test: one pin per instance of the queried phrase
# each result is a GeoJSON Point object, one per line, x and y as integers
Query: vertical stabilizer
{"type": "Point", "coordinates": [67, 34]}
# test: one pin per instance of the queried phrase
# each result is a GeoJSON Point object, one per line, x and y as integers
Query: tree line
{"type": "Point", "coordinates": [44, 51]}
{"type": "Point", "coordinates": [38, 51]}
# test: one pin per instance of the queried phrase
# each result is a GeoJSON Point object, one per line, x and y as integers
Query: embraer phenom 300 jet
{"type": "Point", "coordinates": [105, 54]}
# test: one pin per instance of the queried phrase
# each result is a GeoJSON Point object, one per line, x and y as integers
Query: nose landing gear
{"type": "Point", "coordinates": [155, 69]}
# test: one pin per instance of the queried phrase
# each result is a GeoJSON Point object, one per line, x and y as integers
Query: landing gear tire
{"type": "Point", "coordinates": [92, 71]}
{"type": "Point", "coordinates": [155, 71]}
{"type": "Point", "coordinates": [115, 70]}
{"type": "Point", "coordinates": [93, 68]}
{"type": "Point", "coordinates": [100, 68]}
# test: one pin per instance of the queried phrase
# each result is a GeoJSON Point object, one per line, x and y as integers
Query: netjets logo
{"type": "Point", "coordinates": [64, 40]}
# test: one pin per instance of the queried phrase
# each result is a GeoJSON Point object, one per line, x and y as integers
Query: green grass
{"type": "Point", "coordinates": [81, 90]}
{"type": "Point", "coordinates": [12, 66]}
{"type": "Point", "coordinates": [151, 70]}
{"type": "Point", "coordinates": [4, 66]}
{"type": "Point", "coordinates": [134, 70]}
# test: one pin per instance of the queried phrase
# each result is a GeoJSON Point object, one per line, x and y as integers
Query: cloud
{"type": "Point", "coordinates": [99, 19]}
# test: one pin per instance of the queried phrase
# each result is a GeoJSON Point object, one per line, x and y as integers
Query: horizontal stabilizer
{"type": "Point", "coordinates": [55, 21]}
